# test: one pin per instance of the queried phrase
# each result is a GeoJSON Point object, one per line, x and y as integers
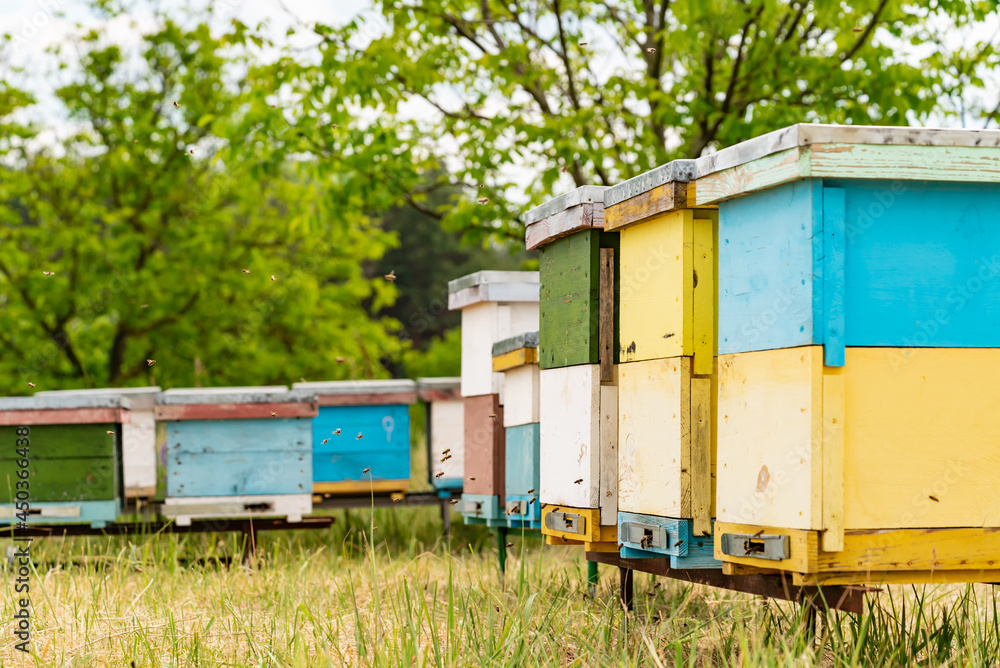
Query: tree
{"type": "Point", "coordinates": [186, 231]}
{"type": "Point", "coordinates": [601, 90]}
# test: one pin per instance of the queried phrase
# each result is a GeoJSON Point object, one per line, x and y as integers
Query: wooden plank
{"type": "Point", "coordinates": [180, 412]}
{"type": "Point", "coordinates": [896, 578]}
{"type": "Point", "coordinates": [703, 302]}
{"type": "Point", "coordinates": [772, 170]}
{"type": "Point", "coordinates": [484, 445]}
{"type": "Point", "coordinates": [607, 539]}
{"type": "Point", "coordinates": [65, 479]}
{"type": "Point", "coordinates": [606, 324]}
{"type": "Point", "coordinates": [404, 398]}
{"type": "Point", "coordinates": [183, 510]}
{"type": "Point", "coordinates": [261, 435]}
{"type": "Point", "coordinates": [921, 438]}
{"type": "Point", "coordinates": [558, 225]}
{"type": "Point", "coordinates": [803, 547]}
{"type": "Point", "coordinates": [834, 244]}
{"type": "Point", "coordinates": [608, 487]}
{"type": "Point", "coordinates": [515, 358]}
{"type": "Point", "coordinates": [61, 441]}
{"type": "Point", "coordinates": [447, 440]}
{"type": "Point", "coordinates": [356, 487]}
{"type": "Point", "coordinates": [570, 409]}
{"type": "Point", "coordinates": [916, 550]}
{"type": "Point", "coordinates": [656, 309]}
{"type": "Point", "coordinates": [95, 513]}
{"type": "Point", "coordinates": [973, 164]}
{"type": "Point", "coordinates": [521, 396]}
{"type": "Point", "coordinates": [139, 453]}
{"type": "Point", "coordinates": [521, 467]}
{"type": "Point", "coordinates": [833, 459]}
{"type": "Point", "coordinates": [64, 416]}
{"type": "Point", "coordinates": [361, 465]}
{"type": "Point", "coordinates": [701, 455]}
{"type": "Point", "coordinates": [568, 329]}
{"type": "Point", "coordinates": [592, 531]}
{"type": "Point", "coordinates": [770, 438]}
{"type": "Point", "coordinates": [662, 199]}
{"type": "Point", "coordinates": [654, 437]}
{"type": "Point", "coordinates": [381, 428]}
{"type": "Point", "coordinates": [234, 474]}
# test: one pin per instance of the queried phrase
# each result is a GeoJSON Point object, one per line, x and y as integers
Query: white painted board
{"type": "Point", "coordinates": [448, 433]}
{"type": "Point", "coordinates": [520, 395]}
{"type": "Point", "coordinates": [570, 436]}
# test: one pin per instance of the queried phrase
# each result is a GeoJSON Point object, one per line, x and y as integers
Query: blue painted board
{"type": "Point", "coordinates": [678, 533]}
{"type": "Point", "coordinates": [350, 466]}
{"type": "Point", "coordinates": [449, 484]}
{"type": "Point", "coordinates": [229, 474]}
{"type": "Point", "coordinates": [700, 557]}
{"type": "Point", "coordinates": [384, 427]}
{"type": "Point", "coordinates": [521, 460]}
{"type": "Point", "coordinates": [284, 435]}
{"type": "Point", "coordinates": [384, 446]}
{"type": "Point", "coordinates": [482, 507]}
{"type": "Point", "coordinates": [534, 509]}
{"type": "Point", "coordinates": [917, 265]}
{"type": "Point", "coordinates": [97, 514]}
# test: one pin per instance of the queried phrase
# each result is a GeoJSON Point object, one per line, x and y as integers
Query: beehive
{"type": "Point", "coordinates": [361, 435]}
{"type": "Point", "coordinates": [495, 305]}
{"type": "Point", "coordinates": [236, 452]}
{"type": "Point", "coordinates": [138, 436]}
{"type": "Point", "coordinates": [517, 359]}
{"type": "Point", "coordinates": [857, 323]}
{"type": "Point", "coordinates": [666, 320]}
{"type": "Point", "coordinates": [445, 431]}
{"type": "Point", "coordinates": [73, 458]}
{"type": "Point", "coordinates": [578, 349]}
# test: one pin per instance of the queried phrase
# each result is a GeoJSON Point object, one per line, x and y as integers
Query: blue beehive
{"type": "Point", "coordinates": [237, 452]}
{"type": "Point", "coordinates": [371, 453]}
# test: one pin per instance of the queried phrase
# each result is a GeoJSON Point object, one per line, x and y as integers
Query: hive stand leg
{"type": "Point", "coordinates": [625, 588]}
{"type": "Point", "coordinates": [502, 549]}
{"type": "Point", "coordinates": [446, 516]}
{"type": "Point", "coordinates": [592, 578]}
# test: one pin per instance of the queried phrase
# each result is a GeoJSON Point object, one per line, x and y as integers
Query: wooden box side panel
{"type": "Point", "coordinates": [284, 435]}
{"type": "Point", "coordinates": [521, 389]}
{"type": "Point", "coordinates": [447, 433]}
{"type": "Point", "coordinates": [479, 331]}
{"type": "Point", "coordinates": [484, 445]}
{"type": "Point", "coordinates": [66, 479]}
{"type": "Point", "coordinates": [139, 453]}
{"type": "Point", "coordinates": [654, 436]}
{"type": "Point", "coordinates": [224, 474]}
{"type": "Point", "coordinates": [656, 288]}
{"type": "Point", "coordinates": [609, 452]}
{"type": "Point", "coordinates": [921, 438]}
{"type": "Point", "coordinates": [769, 438]}
{"type": "Point", "coordinates": [383, 427]}
{"type": "Point", "coordinates": [521, 470]}
{"type": "Point", "coordinates": [570, 436]}
{"type": "Point", "coordinates": [569, 313]}
{"type": "Point", "coordinates": [62, 441]}
{"type": "Point", "coordinates": [361, 467]}
{"type": "Point", "coordinates": [768, 297]}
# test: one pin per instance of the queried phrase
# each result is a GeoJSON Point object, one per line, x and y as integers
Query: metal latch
{"type": "Point", "coordinates": [566, 522]}
{"type": "Point", "coordinates": [646, 536]}
{"type": "Point", "coordinates": [754, 546]}
{"type": "Point", "coordinates": [517, 507]}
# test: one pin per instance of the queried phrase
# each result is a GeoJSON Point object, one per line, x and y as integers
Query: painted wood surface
{"type": "Point", "coordinates": [608, 451]}
{"type": "Point", "coordinates": [582, 217]}
{"type": "Point", "coordinates": [493, 286]}
{"type": "Point", "coordinates": [384, 446]}
{"type": "Point", "coordinates": [521, 468]}
{"type": "Point", "coordinates": [770, 438]}
{"type": "Point", "coordinates": [569, 301]}
{"type": "Point", "coordinates": [351, 465]}
{"type": "Point", "coordinates": [139, 453]}
{"type": "Point", "coordinates": [570, 413]}
{"type": "Point", "coordinates": [361, 392]}
{"type": "Point", "coordinates": [586, 524]}
{"type": "Point", "coordinates": [667, 307]}
{"type": "Point", "coordinates": [18, 418]}
{"type": "Point", "coordinates": [239, 473]}
{"type": "Point", "coordinates": [483, 325]}
{"type": "Point", "coordinates": [291, 435]}
{"type": "Point", "coordinates": [521, 398]}
{"type": "Point", "coordinates": [645, 206]}
{"type": "Point", "coordinates": [703, 450]}
{"type": "Point", "coordinates": [916, 270]}
{"type": "Point", "coordinates": [183, 510]}
{"type": "Point", "coordinates": [676, 532]}
{"type": "Point", "coordinates": [447, 441]}
{"type": "Point", "coordinates": [515, 358]}
{"type": "Point", "coordinates": [481, 506]}
{"type": "Point", "coordinates": [607, 351]}
{"type": "Point", "coordinates": [361, 487]}
{"type": "Point", "coordinates": [63, 479]}
{"type": "Point", "coordinates": [97, 514]}
{"type": "Point", "coordinates": [439, 389]}
{"type": "Point", "coordinates": [174, 412]}
{"type": "Point", "coordinates": [873, 578]}
{"type": "Point", "coordinates": [484, 445]}
{"type": "Point", "coordinates": [60, 441]}
{"type": "Point", "coordinates": [655, 431]}
{"type": "Point", "coordinates": [834, 419]}
{"type": "Point", "coordinates": [803, 547]}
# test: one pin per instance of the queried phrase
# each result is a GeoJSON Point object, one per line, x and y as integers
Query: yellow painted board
{"type": "Point", "coordinates": [656, 303]}
{"type": "Point", "coordinates": [704, 299]}
{"type": "Point", "coordinates": [769, 438]}
{"type": "Point", "coordinates": [665, 198]}
{"type": "Point", "coordinates": [802, 549]}
{"type": "Point", "coordinates": [515, 358]}
{"type": "Point", "coordinates": [591, 517]}
{"type": "Point", "coordinates": [833, 459]}
{"type": "Point", "coordinates": [360, 487]}
{"type": "Point", "coordinates": [916, 550]}
{"type": "Point", "coordinates": [921, 438]}
{"type": "Point", "coordinates": [556, 540]}
{"type": "Point", "coordinates": [701, 455]}
{"type": "Point", "coordinates": [894, 577]}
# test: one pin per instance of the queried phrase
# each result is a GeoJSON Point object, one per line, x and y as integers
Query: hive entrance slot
{"type": "Point", "coordinates": [754, 546]}
{"type": "Point", "coordinates": [256, 507]}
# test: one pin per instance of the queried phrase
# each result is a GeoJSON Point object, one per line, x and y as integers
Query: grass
{"type": "Point", "coordinates": [330, 598]}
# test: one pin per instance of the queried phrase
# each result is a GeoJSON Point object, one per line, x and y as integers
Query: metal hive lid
{"type": "Point", "coordinates": [582, 195]}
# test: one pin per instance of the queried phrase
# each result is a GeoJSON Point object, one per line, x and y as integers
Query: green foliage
{"type": "Point", "coordinates": [602, 90]}
{"type": "Point", "coordinates": [182, 170]}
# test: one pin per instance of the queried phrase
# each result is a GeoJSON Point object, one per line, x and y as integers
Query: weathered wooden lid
{"type": "Point", "coordinates": [526, 340]}
{"type": "Point", "coordinates": [439, 389]}
{"type": "Point", "coordinates": [270, 394]}
{"type": "Point", "coordinates": [493, 286]}
{"type": "Point", "coordinates": [52, 402]}
{"type": "Point", "coordinates": [580, 209]}
{"type": "Point", "coordinates": [139, 397]}
{"type": "Point", "coordinates": [677, 171]}
{"type": "Point", "coordinates": [848, 151]}
{"type": "Point", "coordinates": [362, 392]}
{"type": "Point", "coordinates": [667, 188]}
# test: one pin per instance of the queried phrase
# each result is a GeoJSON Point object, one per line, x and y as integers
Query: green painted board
{"type": "Point", "coordinates": [61, 441]}
{"type": "Point", "coordinates": [569, 312]}
{"type": "Point", "coordinates": [80, 479]}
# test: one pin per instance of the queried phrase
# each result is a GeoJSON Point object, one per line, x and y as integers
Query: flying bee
{"type": "Point", "coordinates": [531, 491]}
{"type": "Point", "coordinates": [510, 544]}
{"type": "Point", "coordinates": [49, 273]}
{"type": "Point", "coordinates": [391, 276]}
{"type": "Point", "coordinates": [246, 271]}
{"type": "Point", "coordinates": [273, 414]}
{"type": "Point", "coordinates": [359, 436]}
{"type": "Point", "coordinates": [273, 277]}
{"type": "Point", "coordinates": [30, 384]}
{"type": "Point", "coordinates": [446, 451]}
{"type": "Point", "coordinates": [150, 362]}
{"type": "Point", "coordinates": [454, 502]}
{"type": "Point", "coordinates": [175, 104]}
{"type": "Point", "coordinates": [650, 50]}
{"type": "Point", "coordinates": [472, 477]}
{"type": "Point", "coordinates": [493, 416]}
{"type": "Point", "coordinates": [484, 200]}
{"type": "Point", "coordinates": [337, 431]}
{"type": "Point", "coordinates": [325, 441]}
{"type": "Point", "coordinates": [341, 360]}
{"type": "Point", "coordinates": [578, 481]}
{"type": "Point", "coordinates": [438, 475]}
{"type": "Point", "coordinates": [110, 432]}
{"type": "Point", "coordinates": [144, 306]}
{"type": "Point", "coordinates": [367, 470]}
{"type": "Point", "coordinates": [445, 458]}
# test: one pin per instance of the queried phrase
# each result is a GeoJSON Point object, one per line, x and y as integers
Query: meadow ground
{"type": "Point", "coordinates": [327, 598]}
